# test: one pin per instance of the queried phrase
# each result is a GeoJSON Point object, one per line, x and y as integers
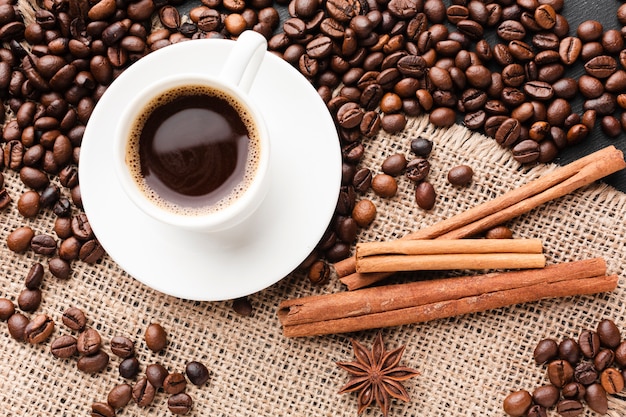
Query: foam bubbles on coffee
{"type": "Point", "coordinates": [193, 150]}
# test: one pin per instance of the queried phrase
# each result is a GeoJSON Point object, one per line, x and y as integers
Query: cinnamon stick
{"type": "Point", "coordinates": [426, 255]}
{"type": "Point", "coordinates": [395, 263]}
{"type": "Point", "coordinates": [552, 185]}
{"type": "Point", "coordinates": [445, 247]}
{"type": "Point", "coordinates": [450, 308]}
{"type": "Point", "coordinates": [414, 302]}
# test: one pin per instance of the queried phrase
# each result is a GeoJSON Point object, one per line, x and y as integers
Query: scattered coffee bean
{"type": "Point", "coordinates": [129, 367]}
{"type": "Point", "coordinates": [39, 329]}
{"type": "Point", "coordinates": [29, 300]}
{"type": "Point", "coordinates": [517, 403]}
{"type": "Point", "coordinates": [319, 272]}
{"type": "Point", "coordinates": [197, 373]}
{"type": "Point", "coordinates": [17, 325]}
{"type": "Point", "coordinates": [499, 232]}
{"type": "Point", "coordinates": [64, 346]}
{"type": "Point", "coordinates": [421, 147]}
{"type": "Point", "coordinates": [143, 392]}
{"type": "Point", "coordinates": [560, 372]}
{"type": "Point", "coordinates": [546, 350]}
{"type": "Point", "coordinates": [34, 278]}
{"type": "Point", "coordinates": [546, 395]}
{"type": "Point", "coordinates": [94, 363]}
{"type": "Point", "coordinates": [609, 334]}
{"type": "Point", "coordinates": [589, 343]}
{"type": "Point", "coordinates": [7, 309]}
{"type": "Point", "coordinates": [156, 374]}
{"type": "Point", "coordinates": [180, 403]}
{"type": "Point", "coordinates": [425, 195]}
{"type": "Point", "coordinates": [74, 319]}
{"type": "Point", "coordinates": [174, 383]}
{"type": "Point", "coordinates": [364, 212]}
{"type": "Point", "coordinates": [119, 396]}
{"type": "Point", "coordinates": [460, 175]}
{"type": "Point", "coordinates": [19, 239]}
{"type": "Point", "coordinates": [155, 337]}
{"type": "Point", "coordinates": [242, 306]}
{"type": "Point", "coordinates": [122, 347]}
{"type": "Point", "coordinates": [99, 409]}
{"type": "Point", "coordinates": [394, 164]}
{"type": "Point", "coordinates": [384, 185]}
{"type": "Point", "coordinates": [89, 342]}
{"type": "Point", "coordinates": [596, 399]}
{"type": "Point", "coordinates": [417, 169]}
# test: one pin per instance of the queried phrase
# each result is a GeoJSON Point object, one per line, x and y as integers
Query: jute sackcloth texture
{"type": "Point", "coordinates": [468, 364]}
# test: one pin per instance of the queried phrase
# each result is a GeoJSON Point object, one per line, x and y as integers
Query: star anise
{"type": "Point", "coordinates": [376, 375]}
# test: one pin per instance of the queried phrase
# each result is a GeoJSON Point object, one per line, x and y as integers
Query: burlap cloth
{"type": "Point", "coordinates": [468, 364]}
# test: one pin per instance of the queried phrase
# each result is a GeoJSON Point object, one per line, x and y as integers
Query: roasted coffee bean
{"type": "Point", "coordinates": [94, 363]}
{"type": "Point", "coordinates": [421, 146]}
{"type": "Point", "coordinates": [545, 16]}
{"type": "Point", "coordinates": [569, 350]}
{"type": "Point", "coordinates": [442, 117]}
{"type": "Point", "coordinates": [585, 373]}
{"type": "Point", "coordinates": [417, 169]}
{"type": "Point", "coordinates": [19, 240]}
{"type": "Point", "coordinates": [28, 204]}
{"type": "Point", "coordinates": [29, 300]}
{"type": "Point", "coordinates": [179, 403]}
{"type": "Point", "coordinates": [589, 343]}
{"type": "Point", "coordinates": [425, 195]}
{"type": "Point", "coordinates": [64, 346]}
{"type": "Point", "coordinates": [155, 337]}
{"type": "Point", "coordinates": [513, 75]}
{"type": "Point", "coordinates": [508, 132]}
{"type": "Point", "coordinates": [143, 392]}
{"type": "Point", "coordinates": [609, 333]}
{"type": "Point", "coordinates": [499, 232]}
{"type": "Point", "coordinates": [17, 324]}
{"type": "Point", "coordinates": [34, 178]}
{"type": "Point", "coordinates": [122, 347]}
{"type": "Point", "coordinates": [100, 409]}
{"type": "Point", "coordinates": [91, 251]}
{"type": "Point", "coordinates": [573, 391]}
{"type": "Point", "coordinates": [5, 198]}
{"type": "Point", "coordinates": [81, 227]}
{"type": "Point", "coordinates": [43, 244]}
{"type": "Point", "coordinates": [394, 164]}
{"type": "Point", "coordinates": [156, 374]}
{"type": "Point", "coordinates": [546, 395]}
{"type": "Point", "coordinates": [539, 90]}
{"type": "Point", "coordinates": [39, 329]}
{"type": "Point", "coordinates": [7, 309]}
{"type": "Point", "coordinates": [610, 126]}
{"type": "Point", "coordinates": [119, 396]}
{"type": "Point", "coordinates": [537, 411]}
{"type": "Point", "coordinates": [620, 354]}
{"type": "Point", "coordinates": [596, 398]}
{"type": "Point", "coordinates": [460, 175]}
{"type": "Point", "coordinates": [49, 196]}
{"type": "Point", "coordinates": [526, 151]}
{"type": "Point", "coordinates": [603, 359]}
{"type": "Point", "coordinates": [174, 383]}
{"type": "Point", "coordinates": [69, 248]}
{"type": "Point", "coordinates": [601, 66]}
{"type": "Point", "coordinates": [589, 30]}
{"type": "Point", "coordinates": [197, 373]}
{"type": "Point", "coordinates": [612, 380]}
{"type": "Point", "coordinates": [74, 319]}
{"type": "Point", "coordinates": [569, 408]}
{"type": "Point", "coordinates": [89, 341]}
{"type": "Point", "coordinates": [384, 185]}
{"type": "Point", "coordinates": [517, 403]}
{"type": "Point", "coordinates": [364, 212]}
{"type": "Point", "coordinates": [510, 30]}
{"type": "Point", "coordinates": [560, 372]}
{"type": "Point", "coordinates": [475, 120]}
{"type": "Point", "coordinates": [242, 306]}
{"type": "Point", "coordinates": [362, 180]}
{"type": "Point", "coordinates": [129, 367]}
{"type": "Point", "coordinates": [590, 87]}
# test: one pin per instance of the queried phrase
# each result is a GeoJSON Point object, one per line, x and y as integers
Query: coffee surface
{"type": "Point", "coordinates": [193, 150]}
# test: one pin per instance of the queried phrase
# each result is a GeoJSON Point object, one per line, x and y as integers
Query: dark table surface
{"type": "Point", "coordinates": [576, 11]}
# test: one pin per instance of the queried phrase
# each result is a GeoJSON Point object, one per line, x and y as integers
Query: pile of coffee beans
{"type": "Point", "coordinates": [582, 371]}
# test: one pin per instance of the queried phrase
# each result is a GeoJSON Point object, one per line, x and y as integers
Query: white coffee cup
{"type": "Point", "coordinates": [239, 200]}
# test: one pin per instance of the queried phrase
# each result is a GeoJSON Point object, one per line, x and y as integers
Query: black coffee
{"type": "Point", "coordinates": [193, 150]}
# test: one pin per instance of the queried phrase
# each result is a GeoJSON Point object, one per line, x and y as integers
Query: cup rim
{"type": "Point", "coordinates": [230, 215]}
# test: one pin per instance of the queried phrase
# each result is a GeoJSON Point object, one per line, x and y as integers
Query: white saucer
{"type": "Point", "coordinates": [280, 234]}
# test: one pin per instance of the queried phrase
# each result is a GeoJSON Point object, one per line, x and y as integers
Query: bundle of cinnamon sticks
{"type": "Point", "coordinates": [392, 305]}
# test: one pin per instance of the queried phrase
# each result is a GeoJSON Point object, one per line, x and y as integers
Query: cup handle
{"type": "Point", "coordinates": [245, 59]}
